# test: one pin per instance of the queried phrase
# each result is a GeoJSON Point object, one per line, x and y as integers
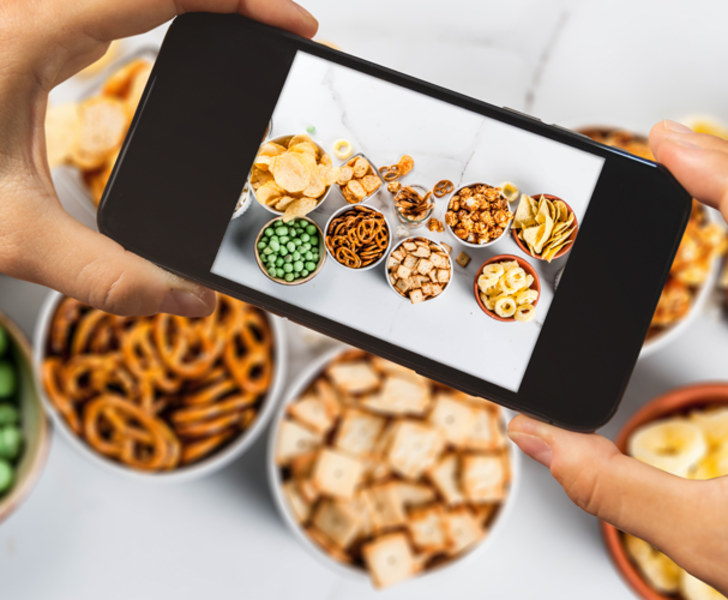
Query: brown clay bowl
{"type": "Point", "coordinates": [679, 401]}
{"type": "Point", "coordinates": [571, 238]}
{"type": "Point", "coordinates": [536, 285]}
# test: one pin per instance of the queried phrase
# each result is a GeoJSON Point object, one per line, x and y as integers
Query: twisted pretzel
{"type": "Point", "coordinates": [358, 237]}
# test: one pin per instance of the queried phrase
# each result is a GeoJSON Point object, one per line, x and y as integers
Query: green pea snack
{"type": "Point", "coordinates": [11, 437]}
{"type": "Point", "coordinates": [289, 252]}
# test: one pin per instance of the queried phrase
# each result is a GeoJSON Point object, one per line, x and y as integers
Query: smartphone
{"type": "Point", "coordinates": [215, 156]}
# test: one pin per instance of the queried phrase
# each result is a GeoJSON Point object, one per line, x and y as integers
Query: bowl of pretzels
{"type": "Point", "coordinates": [162, 397]}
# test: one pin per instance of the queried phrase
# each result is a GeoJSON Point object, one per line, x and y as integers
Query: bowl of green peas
{"type": "Point", "coordinates": [24, 429]}
{"type": "Point", "coordinates": [290, 253]}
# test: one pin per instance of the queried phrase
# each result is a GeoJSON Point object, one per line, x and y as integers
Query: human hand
{"type": "Point", "coordinates": [43, 44]}
{"type": "Point", "coordinates": [684, 519]}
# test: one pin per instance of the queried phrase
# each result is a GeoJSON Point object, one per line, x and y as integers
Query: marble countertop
{"type": "Point", "coordinates": [85, 533]}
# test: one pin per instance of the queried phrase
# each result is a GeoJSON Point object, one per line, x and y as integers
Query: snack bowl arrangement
{"type": "Point", "coordinates": [403, 204]}
{"type": "Point", "coordinates": [346, 469]}
{"type": "Point", "coordinates": [359, 180]}
{"type": "Point", "coordinates": [565, 243]}
{"type": "Point", "coordinates": [24, 428]}
{"type": "Point", "coordinates": [419, 269]}
{"type": "Point", "coordinates": [465, 203]}
{"type": "Point", "coordinates": [684, 431]}
{"type": "Point", "coordinates": [291, 175]}
{"type": "Point", "coordinates": [292, 253]}
{"type": "Point", "coordinates": [696, 266]}
{"type": "Point", "coordinates": [523, 293]}
{"type": "Point", "coordinates": [357, 237]}
{"type": "Point", "coordinates": [160, 398]}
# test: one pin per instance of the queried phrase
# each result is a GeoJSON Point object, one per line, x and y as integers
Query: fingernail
{"type": "Point", "coordinates": [184, 303]}
{"type": "Point", "coordinates": [304, 12]}
{"type": "Point", "coordinates": [534, 447]}
{"type": "Point", "coordinates": [676, 127]}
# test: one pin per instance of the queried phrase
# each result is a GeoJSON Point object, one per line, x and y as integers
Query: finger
{"type": "Point", "coordinates": [106, 20]}
{"type": "Point", "coordinates": [631, 495]}
{"type": "Point", "coordinates": [698, 161]}
{"type": "Point", "coordinates": [94, 269]}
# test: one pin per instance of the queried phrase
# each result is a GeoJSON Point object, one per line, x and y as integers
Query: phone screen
{"type": "Point", "coordinates": [411, 299]}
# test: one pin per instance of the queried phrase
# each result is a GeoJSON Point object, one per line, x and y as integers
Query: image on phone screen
{"type": "Point", "coordinates": [381, 244]}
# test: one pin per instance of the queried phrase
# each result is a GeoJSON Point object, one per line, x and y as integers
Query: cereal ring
{"type": "Point", "coordinates": [343, 149]}
{"type": "Point", "coordinates": [505, 307]}
{"type": "Point", "coordinates": [525, 313]}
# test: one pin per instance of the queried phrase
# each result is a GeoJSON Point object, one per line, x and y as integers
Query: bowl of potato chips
{"type": "Point", "coordinates": [292, 175]}
{"type": "Point", "coordinates": [544, 227]}
{"type": "Point", "coordinates": [382, 473]}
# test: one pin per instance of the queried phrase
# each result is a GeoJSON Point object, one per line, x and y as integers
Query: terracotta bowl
{"type": "Point", "coordinates": [536, 285]}
{"type": "Point", "coordinates": [676, 402]}
{"type": "Point", "coordinates": [34, 424]}
{"type": "Point", "coordinates": [572, 237]}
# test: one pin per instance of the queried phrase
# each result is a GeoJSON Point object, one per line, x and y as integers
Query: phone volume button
{"type": "Point", "coordinates": [520, 113]}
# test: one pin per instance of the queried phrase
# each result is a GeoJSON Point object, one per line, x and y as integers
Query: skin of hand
{"type": "Point", "coordinates": [44, 43]}
{"type": "Point", "coordinates": [685, 519]}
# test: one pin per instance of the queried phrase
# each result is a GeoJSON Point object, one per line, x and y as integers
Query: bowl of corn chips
{"type": "Point", "coordinates": [383, 474]}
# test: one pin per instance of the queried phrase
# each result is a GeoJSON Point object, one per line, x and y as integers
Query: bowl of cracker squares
{"type": "Point", "coordinates": [383, 474]}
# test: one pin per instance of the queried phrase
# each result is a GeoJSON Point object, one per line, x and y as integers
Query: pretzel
{"type": "Point", "coordinates": [443, 188]}
{"type": "Point", "coordinates": [155, 393]}
{"type": "Point", "coordinates": [389, 173]}
{"type": "Point", "coordinates": [358, 237]}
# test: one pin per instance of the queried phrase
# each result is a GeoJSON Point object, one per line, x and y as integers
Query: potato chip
{"type": "Point", "coordinates": [136, 88]}
{"type": "Point", "coordinates": [103, 124]}
{"type": "Point", "coordinates": [271, 149]}
{"type": "Point", "coordinates": [62, 126]}
{"type": "Point", "coordinates": [289, 172]}
{"type": "Point", "coordinates": [119, 83]}
{"type": "Point", "coordinates": [299, 208]}
{"type": "Point", "coordinates": [304, 148]}
{"type": "Point", "coordinates": [299, 139]}
{"type": "Point", "coordinates": [268, 193]}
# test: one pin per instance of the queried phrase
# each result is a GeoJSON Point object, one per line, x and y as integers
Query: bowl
{"type": "Point", "coordinates": [375, 171]}
{"type": "Point", "coordinates": [310, 276]}
{"type": "Point", "coordinates": [244, 201]}
{"type": "Point", "coordinates": [520, 243]}
{"type": "Point", "coordinates": [439, 245]}
{"type": "Point", "coordinates": [33, 422]}
{"type": "Point", "coordinates": [205, 466]}
{"type": "Point", "coordinates": [357, 207]}
{"type": "Point", "coordinates": [471, 244]}
{"type": "Point", "coordinates": [422, 191]}
{"type": "Point", "coordinates": [536, 285]}
{"type": "Point", "coordinates": [679, 401]}
{"type": "Point", "coordinates": [497, 524]}
{"type": "Point", "coordinates": [283, 140]}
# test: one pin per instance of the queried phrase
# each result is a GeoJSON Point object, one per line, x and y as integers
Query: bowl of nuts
{"type": "Point", "coordinates": [507, 288]}
{"type": "Point", "coordinates": [478, 215]}
{"type": "Point", "coordinates": [419, 269]}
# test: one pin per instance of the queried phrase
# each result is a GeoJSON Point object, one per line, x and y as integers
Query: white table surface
{"type": "Point", "coordinates": [88, 534]}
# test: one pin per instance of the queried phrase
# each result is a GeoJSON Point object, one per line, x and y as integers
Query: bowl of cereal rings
{"type": "Point", "coordinates": [507, 288]}
{"type": "Point", "coordinates": [160, 397]}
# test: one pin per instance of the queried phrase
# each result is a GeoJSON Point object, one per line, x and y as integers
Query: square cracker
{"type": "Point", "coordinates": [454, 417]}
{"type": "Point", "coordinates": [385, 505]}
{"type": "Point", "coordinates": [487, 433]}
{"type": "Point", "coordinates": [358, 431]}
{"type": "Point", "coordinates": [299, 506]}
{"type": "Point", "coordinates": [414, 448]}
{"type": "Point", "coordinates": [313, 412]}
{"type": "Point", "coordinates": [327, 545]}
{"type": "Point", "coordinates": [293, 440]}
{"type": "Point", "coordinates": [389, 559]}
{"type": "Point", "coordinates": [445, 474]}
{"type": "Point", "coordinates": [462, 529]}
{"type": "Point", "coordinates": [427, 530]}
{"type": "Point", "coordinates": [337, 521]}
{"type": "Point", "coordinates": [355, 377]}
{"type": "Point", "coordinates": [414, 494]}
{"type": "Point", "coordinates": [400, 395]}
{"type": "Point", "coordinates": [485, 477]}
{"type": "Point", "coordinates": [337, 474]}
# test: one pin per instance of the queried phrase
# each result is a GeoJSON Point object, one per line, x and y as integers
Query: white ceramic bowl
{"type": "Point", "coordinates": [283, 140]}
{"type": "Point", "coordinates": [34, 425]}
{"type": "Point", "coordinates": [449, 258]}
{"type": "Point", "coordinates": [294, 390]}
{"type": "Point", "coordinates": [206, 466]}
{"type": "Point", "coordinates": [470, 244]}
{"type": "Point", "coordinates": [344, 209]}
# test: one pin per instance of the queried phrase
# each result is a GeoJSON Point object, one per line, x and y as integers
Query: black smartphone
{"type": "Point", "coordinates": [236, 173]}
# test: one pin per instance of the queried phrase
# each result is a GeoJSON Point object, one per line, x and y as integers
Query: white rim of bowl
{"type": "Point", "coordinates": [343, 209]}
{"type": "Point", "coordinates": [276, 140]}
{"type": "Point", "coordinates": [204, 467]}
{"type": "Point", "coordinates": [407, 239]}
{"type": "Point", "coordinates": [302, 380]}
{"type": "Point", "coordinates": [470, 244]}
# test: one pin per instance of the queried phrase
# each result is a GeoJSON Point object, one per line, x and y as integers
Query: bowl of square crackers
{"type": "Point", "coordinates": [383, 474]}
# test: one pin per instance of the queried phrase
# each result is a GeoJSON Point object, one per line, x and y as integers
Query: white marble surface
{"type": "Point", "coordinates": [86, 534]}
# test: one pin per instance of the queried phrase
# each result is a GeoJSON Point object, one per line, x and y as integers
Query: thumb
{"type": "Point", "coordinates": [91, 267]}
{"type": "Point", "coordinates": [631, 495]}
